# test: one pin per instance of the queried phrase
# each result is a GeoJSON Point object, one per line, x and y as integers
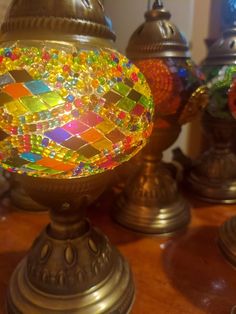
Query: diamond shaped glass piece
{"type": "Point", "coordinates": [58, 135]}
{"type": "Point", "coordinates": [31, 157]}
{"type": "Point", "coordinates": [91, 135]}
{"type": "Point", "coordinates": [4, 98]}
{"type": "Point", "coordinates": [16, 108]}
{"type": "Point", "coordinates": [134, 95]}
{"type": "Point", "coordinates": [122, 88]}
{"type": "Point", "coordinates": [55, 164]}
{"type": "Point", "coordinates": [88, 151]}
{"type": "Point", "coordinates": [37, 87]}
{"type": "Point", "coordinates": [16, 90]}
{"type": "Point", "coordinates": [103, 144]}
{"type": "Point", "coordinates": [105, 127]}
{"type": "Point", "coordinates": [126, 104]}
{"type": "Point", "coordinates": [74, 143]}
{"type": "Point", "coordinates": [52, 99]}
{"type": "Point", "coordinates": [6, 79]}
{"type": "Point", "coordinates": [20, 76]}
{"type": "Point", "coordinates": [3, 135]}
{"type": "Point", "coordinates": [146, 102]}
{"type": "Point", "coordinates": [91, 119]}
{"type": "Point", "coordinates": [138, 110]}
{"type": "Point", "coordinates": [16, 161]}
{"type": "Point", "coordinates": [115, 136]}
{"type": "Point", "coordinates": [75, 127]}
{"type": "Point", "coordinates": [112, 97]}
{"type": "Point", "coordinates": [33, 103]}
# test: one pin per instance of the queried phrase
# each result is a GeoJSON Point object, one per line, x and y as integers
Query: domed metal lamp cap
{"type": "Point", "coordinates": [43, 19]}
{"type": "Point", "coordinates": [157, 37]}
{"type": "Point", "coordinates": [223, 51]}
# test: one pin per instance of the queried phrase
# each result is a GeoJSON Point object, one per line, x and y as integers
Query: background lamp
{"type": "Point", "coordinates": [72, 109]}
{"type": "Point", "coordinates": [213, 176]}
{"type": "Point", "coordinates": [151, 202]}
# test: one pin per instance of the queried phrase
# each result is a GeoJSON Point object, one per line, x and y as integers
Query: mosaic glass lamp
{"type": "Point", "coordinates": [224, 62]}
{"type": "Point", "coordinates": [72, 109]}
{"type": "Point", "coordinates": [151, 202]}
{"type": "Point", "coordinates": [213, 176]}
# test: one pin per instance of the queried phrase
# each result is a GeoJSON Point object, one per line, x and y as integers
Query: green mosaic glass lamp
{"type": "Point", "coordinates": [213, 175]}
{"type": "Point", "coordinates": [72, 109]}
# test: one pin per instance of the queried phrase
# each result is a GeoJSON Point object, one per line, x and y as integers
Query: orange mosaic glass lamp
{"type": "Point", "coordinates": [151, 202]}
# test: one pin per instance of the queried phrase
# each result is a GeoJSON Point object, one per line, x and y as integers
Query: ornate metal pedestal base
{"type": "Point", "coordinates": [212, 191]}
{"type": "Point", "coordinates": [227, 240]}
{"type": "Point", "coordinates": [85, 275]}
{"type": "Point", "coordinates": [151, 203]}
{"type": "Point", "coordinates": [213, 177]}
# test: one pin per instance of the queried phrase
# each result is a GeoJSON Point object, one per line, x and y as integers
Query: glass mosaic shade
{"type": "Point", "coordinates": [221, 83]}
{"type": "Point", "coordinates": [176, 84]}
{"type": "Point", "coordinates": [68, 110]}
{"type": "Point", "coordinates": [161, 52]}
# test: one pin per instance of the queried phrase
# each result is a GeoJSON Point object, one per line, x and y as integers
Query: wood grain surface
{"type": "Point", "coordinates": [185, 275]}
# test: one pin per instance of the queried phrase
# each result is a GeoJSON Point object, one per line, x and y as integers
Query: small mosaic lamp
{"type": "Point", "coordinates": [72, 109]}
{"type": "Point", "coordinates": [213, 175]}
{"type": "Point", "coordinates": [151, 202]}
{"type": "Point", "coordinates": [220, 122]}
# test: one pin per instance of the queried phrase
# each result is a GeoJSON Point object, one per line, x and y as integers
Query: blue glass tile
{"type": "Point", "coordinates": [31, 157]}
{"type": "Point", "coordinates": [37, 87]}
{"type": "Point", "coordinates": [58, 135]}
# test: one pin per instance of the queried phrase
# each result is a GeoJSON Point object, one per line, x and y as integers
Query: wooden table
{"type": "Point", "coordinates": [185, 275]}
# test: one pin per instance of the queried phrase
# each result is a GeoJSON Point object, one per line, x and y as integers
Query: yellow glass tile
{"type": "Point", "coordinates": [102, 144]}
{"type": "Point", "coordinates": [52, 99]}
{"type": "Point", "coordinates": [16, 108]}
{"type": "Point", "coordinates": [33, 103]}
{"type": "Point", "coordinates": [105, 126]}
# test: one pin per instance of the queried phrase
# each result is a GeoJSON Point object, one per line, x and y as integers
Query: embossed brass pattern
{"type": "Point", "coordinates": [47, 20]}
{"type": "Point", "coordinates": [151, 202]}
{"type": "Point", "coordinates": [157, 37]}
{"type": "Point", "coordinates": [71, 267]}
{"type": "Point", "coordinates": [213, 176]}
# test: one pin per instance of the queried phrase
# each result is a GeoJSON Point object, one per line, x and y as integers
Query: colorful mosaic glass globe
{"type": "Point", "coordinates": [69, 110]}
{"type": "Point", "coordinates": [221, 84]}
{"type": "Point", "coordinates": [176, 85]}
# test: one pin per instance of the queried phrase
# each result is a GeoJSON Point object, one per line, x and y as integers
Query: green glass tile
{"type": "Point", "coordinates": [33, 103]}
{"type": "Point", "coordinates": [16, 108]}
{"type": "Point", "coordinates": [146, 102]}
{"type": "Point", "coordinates": [126, 104]}
{"type": "Point", "coordinates": [52, 99]}
{"type": "Point", "coordinates": [36, 167]}
{"type": "Point", "coordinates": [122, 89]}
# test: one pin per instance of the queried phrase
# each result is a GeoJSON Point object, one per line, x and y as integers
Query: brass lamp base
{"type": "Point", "coordinates": [213, 177]}
{"type": "Point", "coordinates": [71, 268]}
{"type": "Point", "coordinates": [151, 203]}
{"type": "Point", "coordinates": [114, 294]}
{"type": "Point", "coordinates": [212, 191]}
{"type": "Point", "coordinates": [155, 219]}
{"type": "Point", "coordinates": [227, 240]}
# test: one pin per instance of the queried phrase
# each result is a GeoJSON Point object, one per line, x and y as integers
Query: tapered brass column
{"type": "Point", "coordinates": [151, 201]}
